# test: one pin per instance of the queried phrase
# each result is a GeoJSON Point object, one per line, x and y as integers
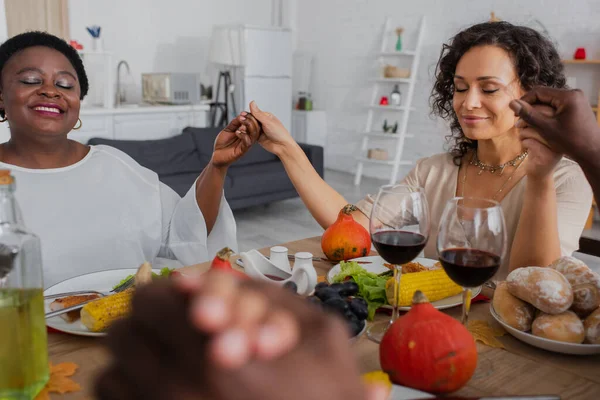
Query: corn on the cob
{"type": "Point", "coordinates": [435, 284]}
{"type": "Point", "coordinates": [99, 314]}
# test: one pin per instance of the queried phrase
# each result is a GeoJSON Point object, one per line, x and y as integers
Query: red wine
{"type": "Point", "coordinates": [469, 267]}
{"type": "Point", "coordinates": [398, 247]}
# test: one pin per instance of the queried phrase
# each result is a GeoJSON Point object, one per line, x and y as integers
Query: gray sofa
{"type": "Point", "coordinates": [257, 178]}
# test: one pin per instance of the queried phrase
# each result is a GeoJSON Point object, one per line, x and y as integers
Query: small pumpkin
{"type": "Point", "coordinates": [428, 350]}
{"type": "Point", "coordinates": [221, 262]}
{"type": "Point", "coordinates": [345, 238]}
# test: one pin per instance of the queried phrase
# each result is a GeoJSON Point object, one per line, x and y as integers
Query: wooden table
{"type": "Point", "coordinates": [520, 369]}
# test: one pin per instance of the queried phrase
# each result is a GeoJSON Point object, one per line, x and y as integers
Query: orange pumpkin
{"type": "Point", "coordinates": [428, 350]}
{"type": "Point", "coordinates": [345, 238]}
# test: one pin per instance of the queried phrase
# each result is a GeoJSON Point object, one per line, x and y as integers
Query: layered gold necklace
{"type": "Point", "coordinates": [516, 162]}
{"type": "Point", "coordinates": [495, 168]}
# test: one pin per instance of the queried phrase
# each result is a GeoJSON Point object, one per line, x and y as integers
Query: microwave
{"type": "Point", "coordinates": [170, 88]}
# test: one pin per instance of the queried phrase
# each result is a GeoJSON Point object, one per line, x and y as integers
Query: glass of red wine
{"type": "Point", "coordinates": [471, 243]}
{"type": "Point", "coordinates": [399, 228]}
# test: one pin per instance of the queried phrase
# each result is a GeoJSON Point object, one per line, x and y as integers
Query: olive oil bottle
{"type": "Point", "coordinates": [23, 340]}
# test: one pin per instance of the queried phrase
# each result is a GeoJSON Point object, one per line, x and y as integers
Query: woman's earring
{"type": "Point", "coordinates": [5, 118]}
{"type": "Point", "coordinates": [80, 124]}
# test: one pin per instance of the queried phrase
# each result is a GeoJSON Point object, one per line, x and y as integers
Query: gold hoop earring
{"type": "Point", "coordinates": [80, 125]}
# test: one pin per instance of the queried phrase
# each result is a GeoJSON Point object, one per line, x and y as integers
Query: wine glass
{"type": "Point", "coordinates": [399, 228]}
{"type": "Point", "coordinates": [471, 243]}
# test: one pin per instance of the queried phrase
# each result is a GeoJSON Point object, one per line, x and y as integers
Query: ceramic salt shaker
{"type": "Point", "coordinates": [279, 256]}
{"type": "Point", "coordinates": [303, 260]}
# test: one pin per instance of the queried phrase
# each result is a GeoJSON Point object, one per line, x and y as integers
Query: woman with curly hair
{"type": "Point", "coordinates": [545, 197]}
{"type": "Point", "coordinates": [94, 207]}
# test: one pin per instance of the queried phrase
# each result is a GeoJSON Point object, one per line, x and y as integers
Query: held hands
{"type": "Point", "coordinates": [542, 159]}
{"type": "Point", "coordinates": [216, 337]}
{"type": "Point", "coordinates": [572, 128]}
{"type": "Point", "coordinates": [241, 133]}
{"type": "Point", "coordinates": [235, 140]}
{"type": "Point", "coordinates": [274, 138]}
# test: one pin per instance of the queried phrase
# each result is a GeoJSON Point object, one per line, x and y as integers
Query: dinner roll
{"type": "Point", "coordinates": [512, 310]}
{"type": "Point", "coordinates": [565, 327]}
{"type": "Point", "coordinates": [585, 284]}
{"type": "Point", "coordinates": [592, 327]}
{"type": "Point", "coordinates": [544, 288]}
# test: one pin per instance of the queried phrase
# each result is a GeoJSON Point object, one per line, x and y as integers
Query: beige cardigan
{"type": "Point", "coordinates": [438, 175]}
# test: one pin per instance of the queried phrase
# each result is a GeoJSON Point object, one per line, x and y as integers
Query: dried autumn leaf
{"type": "Point", "coordinates": [64, 369]}
{"type": "Point", "coordinates": [43, 395]}
{"type": "Point", "coordinates": [483, 332]}
{"type": "Point", "coordinates": [60, 381]}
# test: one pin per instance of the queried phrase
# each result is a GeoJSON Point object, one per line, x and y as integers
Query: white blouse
{"type": "Point", "coordinates": [108, 212]}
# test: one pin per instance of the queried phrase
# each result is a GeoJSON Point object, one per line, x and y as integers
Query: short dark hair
{"type": "Point", "coordinates": [35, 38]}
{"type": "Point", "coordinates": [535, 58]}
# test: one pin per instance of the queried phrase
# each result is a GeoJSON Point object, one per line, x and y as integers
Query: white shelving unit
{"type": "Point", "coordinates": [373, 107]}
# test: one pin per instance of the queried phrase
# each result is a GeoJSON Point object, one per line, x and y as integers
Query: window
{"type": "Point", "coordinates": [42, 15]}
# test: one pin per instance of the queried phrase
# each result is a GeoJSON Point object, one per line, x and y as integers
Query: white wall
{"type": "Point", "coordinates": [344, 34]}
{"type": "Point", "coordinates": [159, 35]}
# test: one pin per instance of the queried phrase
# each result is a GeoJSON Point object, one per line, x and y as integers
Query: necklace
{"type": "Point", "coordinates": [493, 168]}
{"type": "Point", "coordinates": [464, 179]}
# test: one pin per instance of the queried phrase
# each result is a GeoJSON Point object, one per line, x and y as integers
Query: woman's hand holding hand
{"type": "Point", "coordinates": [235, 140]}
{"type": "Point", "coordinates": [274, 138]}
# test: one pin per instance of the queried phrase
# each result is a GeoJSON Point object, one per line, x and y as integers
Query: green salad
{"type": "Point", "coordinates": [371, 287]}
{"type": "Point", "coordinates": [164, 273]}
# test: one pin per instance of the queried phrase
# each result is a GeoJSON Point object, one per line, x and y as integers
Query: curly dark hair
{"type": "Point", "coordinates": [35, 38]}
{"type": "Point", "coordinates": [536, 61]}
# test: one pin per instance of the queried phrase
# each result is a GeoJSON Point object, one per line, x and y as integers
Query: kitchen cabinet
{"type": "Point", "coordinates": [139, 122]}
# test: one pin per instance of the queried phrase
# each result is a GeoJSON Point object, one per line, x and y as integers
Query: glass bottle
{"type": "Point", "coordinates": [309, 103]}
{"type": "Point", "coordinates": [23, 340]}
{"type": "Point", "coordinates": [396, 96]}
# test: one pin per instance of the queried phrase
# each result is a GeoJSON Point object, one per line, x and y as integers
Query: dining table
{"type": "Point", "coordinates": [517, 369]}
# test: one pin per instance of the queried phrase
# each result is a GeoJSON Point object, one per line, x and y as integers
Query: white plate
{"type": "Point", "coordinates": [102, 281]}
{"type": "Point", "coordinates": [376, 266]}
{"type": "Point", "coordinates": [548, 344]}
{"type": "Point", "coordinates": [403, 393]}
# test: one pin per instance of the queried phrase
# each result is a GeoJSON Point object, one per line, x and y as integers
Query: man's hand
{"type": "Point", "coordinates": [216, 337]}
{"type": "Point", "coordinates": [572, 129]}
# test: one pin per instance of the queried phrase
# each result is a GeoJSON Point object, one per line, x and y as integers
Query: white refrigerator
{"type": "Point", "coordinates": [261, 62]}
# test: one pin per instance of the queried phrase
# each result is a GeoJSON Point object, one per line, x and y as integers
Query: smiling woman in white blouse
{"type": "Point", "coordinates": [94, 207]}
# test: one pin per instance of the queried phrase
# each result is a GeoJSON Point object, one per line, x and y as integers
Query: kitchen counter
{"type": "Point", "coordinates": [143, 109]}
{"type": "Point", "coordinates": [139, 121]}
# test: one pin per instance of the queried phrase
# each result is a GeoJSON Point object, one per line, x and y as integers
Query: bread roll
{"type": "Point", "coordinates": [585, 284]}
{"type": "Point", "coordinates": [565, 327]}
{"type": "Point", "coordinates": [544, 288]}
{"type": "Point", "coordinates": [592, 327]}
{"type": "Point", "coordinates": [513, 311]}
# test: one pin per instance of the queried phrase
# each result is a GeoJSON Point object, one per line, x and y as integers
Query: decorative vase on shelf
{"type": "Point", "coordinates": [97, 44]}
{"type": "Point", "coordinates": [399, 32]}
{"type": "Point", "coordinates": [579, 54]}
{"type": "Point", "coordinates": [94, 32]}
